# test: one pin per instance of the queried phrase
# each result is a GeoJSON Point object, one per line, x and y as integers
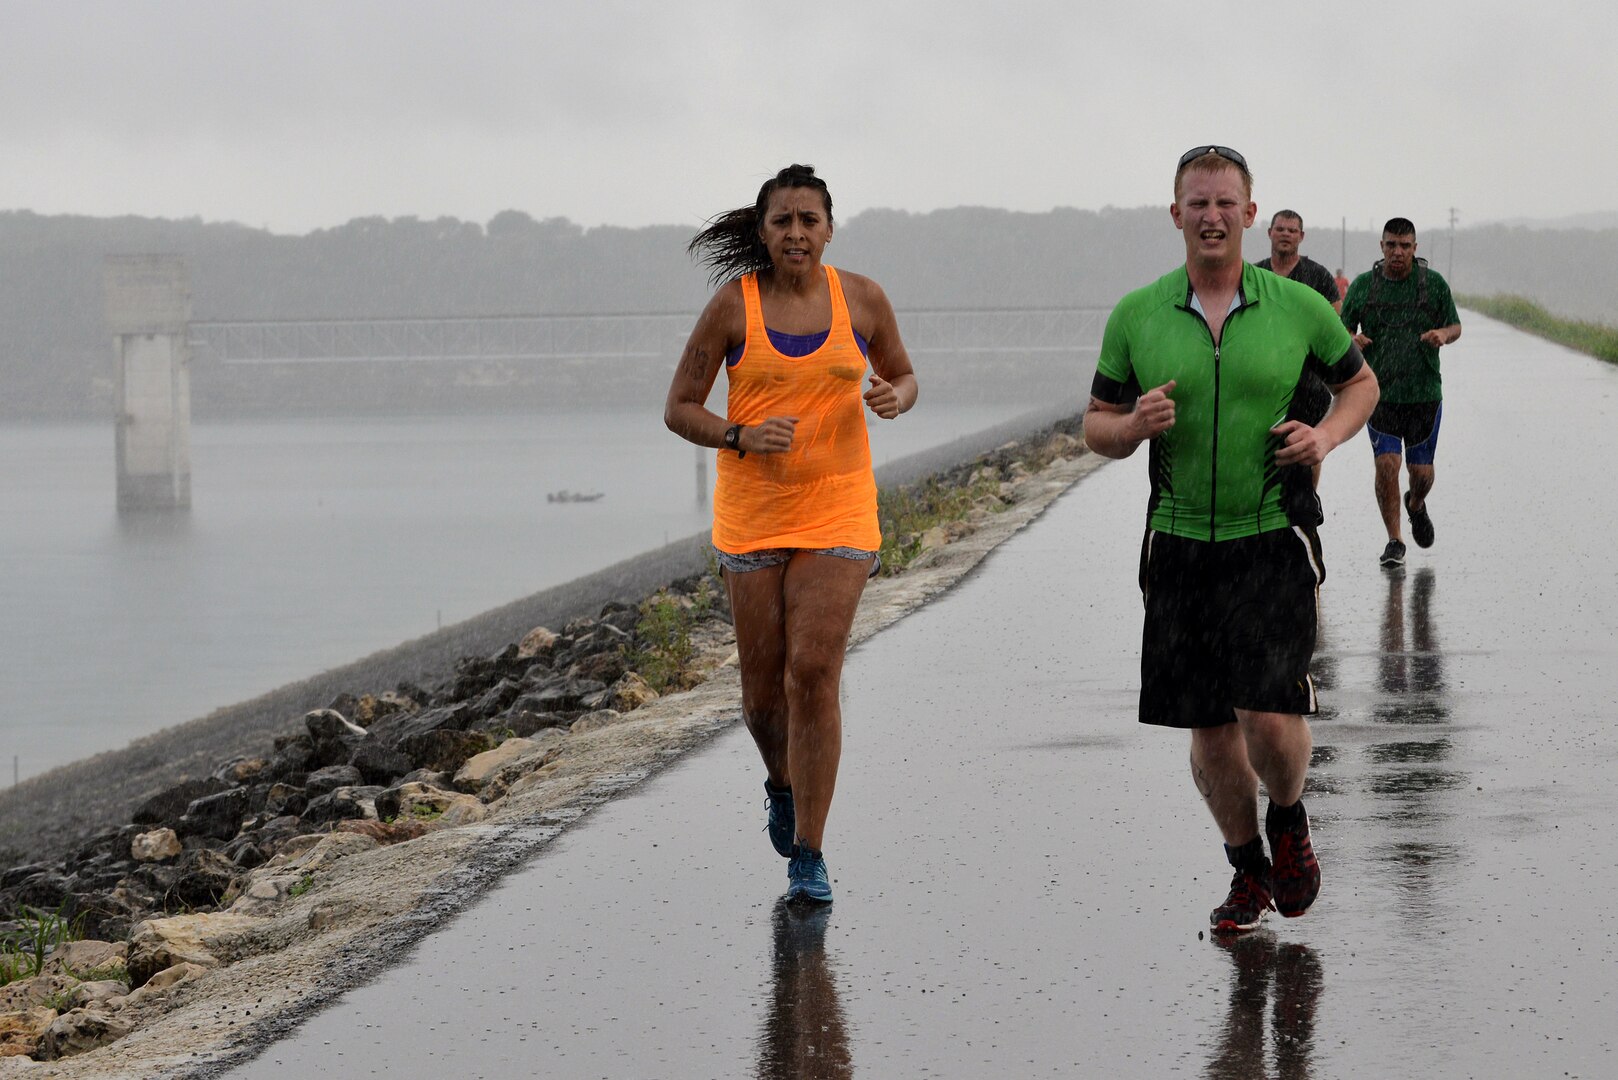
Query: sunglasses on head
{"type": "Point", "coordinates": [1223, 151]}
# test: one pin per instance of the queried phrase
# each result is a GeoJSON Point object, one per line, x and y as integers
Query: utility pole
{"type": "Point", "coordinates": [1450, 273]}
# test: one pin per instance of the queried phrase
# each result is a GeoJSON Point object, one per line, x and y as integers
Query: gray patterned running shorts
{"type": "Point", "coordinates": [765, 557]}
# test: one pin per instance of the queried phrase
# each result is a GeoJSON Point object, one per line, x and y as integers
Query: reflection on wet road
{"type": "Point", "coordinates": [1274, 989]}
{"type": "Point", "coordinates": [1023, 873]}
{"type": "Point", "coordinates": [803, 1036]}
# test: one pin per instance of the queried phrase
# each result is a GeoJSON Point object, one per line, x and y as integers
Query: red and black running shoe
{"type": "Point", "coordinates": [1244, 908]}
{"type": "Point", "coordinates": [1295, 874]}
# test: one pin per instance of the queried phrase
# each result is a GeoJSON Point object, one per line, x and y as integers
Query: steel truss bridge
{"type": "Point", "coordinates": [999, 332]}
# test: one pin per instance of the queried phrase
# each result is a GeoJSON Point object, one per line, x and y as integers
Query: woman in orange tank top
{"type": "Point", "coordinates": [795, 522]}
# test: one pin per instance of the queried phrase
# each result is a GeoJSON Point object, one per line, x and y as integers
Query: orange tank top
{"type": "Point", "coordinates": [821, 493]}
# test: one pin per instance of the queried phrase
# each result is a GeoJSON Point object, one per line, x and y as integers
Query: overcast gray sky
{"type": "Point", "coordinates": [298, 115]}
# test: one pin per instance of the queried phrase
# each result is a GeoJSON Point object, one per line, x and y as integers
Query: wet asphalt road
{"type": "Point", "coordinates": [1023, 872]}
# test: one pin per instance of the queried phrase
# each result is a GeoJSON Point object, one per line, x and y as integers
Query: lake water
{"type": "Point", "coordinates": [311, 543]}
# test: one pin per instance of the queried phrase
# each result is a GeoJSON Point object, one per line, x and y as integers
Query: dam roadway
{"type": "Point", "coordinates": [1023, 873]}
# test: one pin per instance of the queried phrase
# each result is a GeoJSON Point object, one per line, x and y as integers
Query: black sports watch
{"type": "Point", "coordinates": [733, 440]}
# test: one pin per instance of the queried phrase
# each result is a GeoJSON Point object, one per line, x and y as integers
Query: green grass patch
{"type": "Point", "coordinates": [61, 1001]}
{"type": "Point", "coordinates": [1596, 339]}
{"type": "Point", "coordinates": [304, 884]}
{"type": "Point", "coordinates": [665, 651]}
{"type": "Point", "coordinates": [907, 513]}
{"type": "Point", "coordinates": [24, 949]}
{"type": "Point", "coordinates": [114, 971]}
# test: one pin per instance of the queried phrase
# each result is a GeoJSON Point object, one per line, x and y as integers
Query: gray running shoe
{"type": "Point", "coordinates": [1393, 556]}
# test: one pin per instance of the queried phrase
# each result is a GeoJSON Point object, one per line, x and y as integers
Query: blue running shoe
{"type": "Point", "coordinates": [783, 823]}
{"type": "Point", "coordinates": [806, 876]}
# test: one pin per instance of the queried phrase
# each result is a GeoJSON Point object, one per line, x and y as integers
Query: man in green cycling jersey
{"type": "Point", "coordinates": [1205, 365]}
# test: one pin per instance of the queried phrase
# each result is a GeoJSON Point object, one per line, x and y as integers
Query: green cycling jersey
{"type": "Point", "coordinates": [1213, 474]}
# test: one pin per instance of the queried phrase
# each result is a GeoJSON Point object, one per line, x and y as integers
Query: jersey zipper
{"type": "Point", "coordinates": [1213, 457]}
{"type": "Point", "coordinates": [1213, 483]}
{"type": "Point", "coordinates": [1213, 479]}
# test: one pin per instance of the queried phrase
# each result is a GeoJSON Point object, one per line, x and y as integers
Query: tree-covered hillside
{"type": "Point", "coordinates": [54, 352]}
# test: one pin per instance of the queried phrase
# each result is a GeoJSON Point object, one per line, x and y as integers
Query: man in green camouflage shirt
{"type": "Point", "coordinates": [1401, 313]}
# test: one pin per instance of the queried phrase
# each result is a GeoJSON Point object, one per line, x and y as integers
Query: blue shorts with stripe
{"type": "Point", "coordinates": [1411, 429]}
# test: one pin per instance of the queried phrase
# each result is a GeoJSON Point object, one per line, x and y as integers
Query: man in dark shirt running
{"type": "Point", "coordinates": [1401, 313]}
{"type": "Point", "coordinates": [1203, 366]}
{"type": "Point", "coordinates": [1286, 235]}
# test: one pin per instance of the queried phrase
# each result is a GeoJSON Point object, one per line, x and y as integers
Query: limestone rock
{"type": "Point", "coordinates": [82, 1030]}
{"type": "Point", "coordinates": [507, 761]}
{"type": "Point", "coordinates": [81, 956]}
{"type": "Point", "coordinates": [595, 721]}
{"type": "Point", "coordinates": [108, 992]}
{"type": "Point", "coordinates": [291, 851]}
{"type": "Point", "coordinates": [171, 977]}
{"type": "Point", "coordinates": [180, 939]}
{"type": "Point", "coordinates": [159, 845]}
{"type": "Point", "coordinates": [629, 693]}
{"type": "Point", "coordinates": [432, 807]}
{"type": "Point", "coordinates": [27, 994]}
{"type": "Point", "coordinates": [165, 981]}
{"type": "Point", "coordinates": [389, 832]}
{"type": "Point", "coordinates": [21, 1031]}
{"type": "Point", "coordinates": [264, 894]}
{"type": "Point", "coordinates": [1063, 444]}
{"type": "Point", "coordinates": [329, 849]}
{"type": "Point", "coordinates": [536, 642]}
{"type": "Point", "coordinates": [368, 709]}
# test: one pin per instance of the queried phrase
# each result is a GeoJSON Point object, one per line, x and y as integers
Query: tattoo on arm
{"type": "Point", "coordinates": [694, 364]}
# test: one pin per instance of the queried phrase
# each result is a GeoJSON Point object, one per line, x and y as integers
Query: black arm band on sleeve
{"type": "Point", "coordinates": [1114, 392]}
{"type": "Point", "coordinates": [1345, 369]}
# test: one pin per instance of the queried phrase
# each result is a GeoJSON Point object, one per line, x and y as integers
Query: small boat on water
{"type": "Point", "coordinates": [566, 496]}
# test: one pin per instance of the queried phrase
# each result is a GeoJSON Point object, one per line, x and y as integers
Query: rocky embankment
{"type": "Point", "coordinates": [235, 902]}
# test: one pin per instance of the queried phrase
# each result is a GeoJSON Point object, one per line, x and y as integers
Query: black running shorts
{"type": "Point", "coordinates": [1229, 625]}
{"type": "Point", "coordinates": [1412, 424]}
